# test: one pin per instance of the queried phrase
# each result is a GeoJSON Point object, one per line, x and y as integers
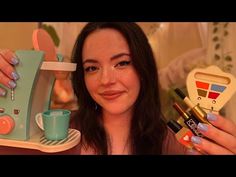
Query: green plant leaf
{"type": "Point", "coordinates": [215, 39]}
{"type": "Point", "coordinates": [217, 46]}
{"type": "Point", "coordinates": [52, 32]}
{"type": "Point", "coordinates": [229, 65]}
{"type": "Point", "coordinates": [228, 68]}
{"type": "Point", "coordinates": [215, 30]}
{"type": "Point", "coordinates": [226, 24]}
{"type": "Point", "coordinates": [217, 57]}
{"type": "Point", "coordinates": [228, 58]}
{"type": "Point", "coordinates": [226, 33]}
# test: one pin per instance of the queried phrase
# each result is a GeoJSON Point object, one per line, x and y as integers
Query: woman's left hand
{"type": "Point", "coordinates": [222, 135]}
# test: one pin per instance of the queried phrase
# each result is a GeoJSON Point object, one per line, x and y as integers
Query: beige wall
{"type": "Point", "coordinates": [16, 36]}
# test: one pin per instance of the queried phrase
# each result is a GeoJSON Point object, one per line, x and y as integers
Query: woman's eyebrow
{"type": "Point", "coordinates": [116, 56]}
{"type": "Point", "coordinates": [119, 55]}
{"type": "Point", "coordinates": [90, 61]}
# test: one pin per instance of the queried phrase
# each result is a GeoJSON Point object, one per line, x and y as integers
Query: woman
{"type": "Point", "coordinates": [117, 89]}
{"type": "Point", "coordinates": [115, 80]}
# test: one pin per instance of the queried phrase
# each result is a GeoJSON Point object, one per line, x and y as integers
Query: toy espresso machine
{"type": "Point", "coordinates": [38, 70]}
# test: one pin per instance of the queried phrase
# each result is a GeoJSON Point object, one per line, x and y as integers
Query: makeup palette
{"type": "Point", "coordinates": [210, 87]}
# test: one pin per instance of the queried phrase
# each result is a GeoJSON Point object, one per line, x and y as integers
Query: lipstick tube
{"type": "Point", "coordinates": [189, 120]}
{"type": "Point", "coordinates": [180, 120]}
{"type": "Point", "coordinates": [182, 134]}
{"type": "Point", "coordinates": [196, 110]}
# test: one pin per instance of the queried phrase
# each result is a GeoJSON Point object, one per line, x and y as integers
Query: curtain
{"type": "Point", "coordinates": [222, 52]}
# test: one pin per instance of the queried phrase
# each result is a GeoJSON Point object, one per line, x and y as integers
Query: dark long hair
{"type": "Point", "coordinates": [148, 129]}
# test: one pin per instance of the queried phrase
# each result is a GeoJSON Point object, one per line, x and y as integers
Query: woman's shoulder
{"type": "Point", "coordinates": [171, 146]}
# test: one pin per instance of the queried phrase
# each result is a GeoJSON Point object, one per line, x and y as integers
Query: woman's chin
{"type": "Point", "coordinates": [116, 110]}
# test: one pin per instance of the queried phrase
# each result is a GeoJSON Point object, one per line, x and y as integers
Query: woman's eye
{"type": "Point", "coordinates": [90, 69]}
{"type": "Point", "coordinates": [123, 63]}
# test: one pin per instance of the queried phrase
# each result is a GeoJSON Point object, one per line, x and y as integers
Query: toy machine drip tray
{"type": "Point", "coordinates": [39, 142]}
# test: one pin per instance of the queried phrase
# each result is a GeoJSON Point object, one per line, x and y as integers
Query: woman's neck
{"type": "Point", "coordinates": [117, 127]}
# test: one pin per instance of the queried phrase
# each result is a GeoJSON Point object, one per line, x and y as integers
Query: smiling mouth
{"type": "Point", "coordinates": [111, 95]}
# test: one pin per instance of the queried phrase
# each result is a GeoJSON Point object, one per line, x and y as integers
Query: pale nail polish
{"type": "Point", "coordinates": [15, 75]}
{"type": "Point", "coordinates": [192, 152]}
{"type": "Point", "coordinates": [12, 84]}
{"type": "Point", "coordinates": [202, 127]}
{"type": "Point", "coordinates": [3, 92]}
{"type": "Point", "coordinates": [196, 139]}
{"type": "Point", "coordinates": [211, 117]}
{"type": "Point", "coordinates": [14, 61]}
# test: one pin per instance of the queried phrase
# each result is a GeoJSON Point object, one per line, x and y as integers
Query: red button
{"type": "Point", "coordinates": [6, 124]}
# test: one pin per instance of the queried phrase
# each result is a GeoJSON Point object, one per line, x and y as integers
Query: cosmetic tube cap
{"type": "Point", "coordinates": [199, 114]}
{"type": "Point", "coordinates": [174, 126]}
{"type": "Point", "coordinates": [180, 93]}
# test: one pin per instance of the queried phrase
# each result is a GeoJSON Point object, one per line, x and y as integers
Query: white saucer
{"type": "Point", "coordinates": [58, 66]}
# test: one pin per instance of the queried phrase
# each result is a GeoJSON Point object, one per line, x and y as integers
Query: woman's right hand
{"type": "Point", "coordinates": [222, 132]}
{"type": "Point", "coordinates": [8, 75]}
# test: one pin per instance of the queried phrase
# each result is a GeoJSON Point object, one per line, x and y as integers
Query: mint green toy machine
{"type": "Point", "coordinates": [32, 96]}
{"type": "Point", "coordinates": [27, 99]}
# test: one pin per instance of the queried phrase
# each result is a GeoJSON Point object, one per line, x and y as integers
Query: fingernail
{"type": "Point", "coordinates": [202, 127]}
{"type": "Point", "coordinates": [12, 84]}
{"type": "Point", "coordinates": [3, 92]}
{"type": "Point", "coordinates": [191, 152]}
{"type": "Point", "coordinates": [14, 60]}
{"type": "Point", "coordinates": [196, 139]}
{"type": "Point", "coordinates": [15, 75]}
{"type": "Point", "coordinates": [211, 117]}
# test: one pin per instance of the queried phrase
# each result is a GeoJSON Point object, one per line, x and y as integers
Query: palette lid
{"type": "Point", "coordinates": [210, 87]}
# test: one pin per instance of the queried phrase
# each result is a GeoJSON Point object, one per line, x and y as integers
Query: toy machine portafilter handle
{"type": "Point", "coordinates": [42, 41]}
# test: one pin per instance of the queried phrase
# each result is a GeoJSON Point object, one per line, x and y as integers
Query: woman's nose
{"type": "Point", "coordinates": [108, 76]}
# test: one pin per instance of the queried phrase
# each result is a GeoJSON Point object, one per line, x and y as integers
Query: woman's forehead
{"type": "Point", "coordinates": [104, 42]}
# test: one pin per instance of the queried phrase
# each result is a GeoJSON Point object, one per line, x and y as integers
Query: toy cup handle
{"type": "Point", "coordinates": [39, 120]}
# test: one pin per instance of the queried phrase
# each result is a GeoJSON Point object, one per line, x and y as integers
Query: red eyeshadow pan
{"type": "Point", "coordinates": [213, 95]}
{"type": "Point", "coordinates": [202, 85]}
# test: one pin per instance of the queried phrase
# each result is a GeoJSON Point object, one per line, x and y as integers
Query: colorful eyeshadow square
{"type": "Point", "coordinates": [201, 93]}
{"type": "Point", "coordinates": [202, 85]}
{"type": "Point", "coordinates": [213, 95]}
{"type": "Point", "coordinates": [217, 88]}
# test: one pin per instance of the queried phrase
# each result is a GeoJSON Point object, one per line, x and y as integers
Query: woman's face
{"type": "Point", "coordinates": [109, 74]}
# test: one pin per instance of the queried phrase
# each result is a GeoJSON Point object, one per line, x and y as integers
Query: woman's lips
{"type": "Point", "coordinates": [111, 95]}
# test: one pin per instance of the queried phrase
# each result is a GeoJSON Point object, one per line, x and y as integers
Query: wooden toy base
{"type": "Point", "coordinates": [39, 142]}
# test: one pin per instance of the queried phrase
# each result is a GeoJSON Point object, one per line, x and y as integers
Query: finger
{"type": "Point", "coordinates": [2, 92]}
{"type": "Point", "coordinates": [6, 81]}
{"type": "Point", "coordinates": [8, 69]}
{"type": "Point", "coordinates": [209, 147]}
{"type": "Point", "coordinates": [222, 123]}
{"type": "Point", "coordinates": [193, 152]}
{"type": "Point", "coordinates": [220, 137]}
{"type": "Point", "coordinates": [9, 56]}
